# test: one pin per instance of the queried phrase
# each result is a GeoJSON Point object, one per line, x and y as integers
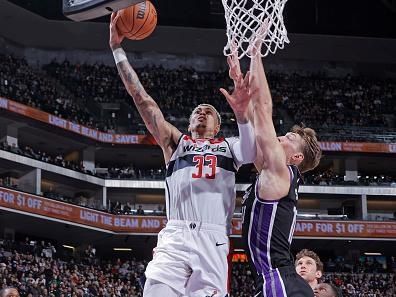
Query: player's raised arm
{"type": "Point", "coordinates": [245, 148]}
{"type": "Point", "coordinates": [271, 163]}
{"type": "Point", "coordinates": [164, 133]}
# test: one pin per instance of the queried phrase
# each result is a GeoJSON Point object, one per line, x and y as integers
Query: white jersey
{"type": "Point", "coordinates": [200, 181]}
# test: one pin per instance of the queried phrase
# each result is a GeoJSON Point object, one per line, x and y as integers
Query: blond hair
{"type": "Point", "coordinates": [310, 148]}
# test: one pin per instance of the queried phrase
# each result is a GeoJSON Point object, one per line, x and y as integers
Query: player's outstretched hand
{"type": "Point", "coordinates": [115, 37]}
{"type": "Point", "coordinates": [234, 72]}
{"type": "Point", "coordinates": [254, 48]}
{"type": "Point", "coordinates": [240, 97]}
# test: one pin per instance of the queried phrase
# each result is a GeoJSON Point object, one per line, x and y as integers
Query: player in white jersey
{"type": "Point", "coordinates": [191, 254]}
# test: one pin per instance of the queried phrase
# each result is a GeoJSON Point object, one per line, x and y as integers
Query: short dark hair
{"type": "Point", "coordinates": [311, 254]}
{"type": "Point", "coordinates": [311, 148]}
{"type": "Point", "coordinates": [209, 106]}
{"type": "Point", "coordinates": [336, 290]}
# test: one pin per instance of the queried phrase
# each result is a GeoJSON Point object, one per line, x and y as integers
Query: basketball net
{"type": "Point", "coordinates": [245, 19]}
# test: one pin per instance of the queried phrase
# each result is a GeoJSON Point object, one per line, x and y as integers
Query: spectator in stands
{"type": "Point", "coordinates": [327, 290]}
{"type": "Point", "coordinates": [127, 208]}
{"type": "Point", "coordinates": [116, 208]}
{"type": "Point", "coordinates": [140, 211]}
{"type": "Point", "coordinates": [160, 210]}
{"type": "Point", "coordinates": [48, 251]}
{"type": "Point", "coordinates": [90, 253]}
{"type": "Point", "coordinates": [309, 267]}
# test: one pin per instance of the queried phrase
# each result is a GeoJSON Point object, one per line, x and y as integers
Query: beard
{"type": "Point", "coordinates": [201, 126]}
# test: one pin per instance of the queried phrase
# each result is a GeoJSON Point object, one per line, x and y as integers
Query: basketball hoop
{"type": "Point", "coordinates": [245, 18]}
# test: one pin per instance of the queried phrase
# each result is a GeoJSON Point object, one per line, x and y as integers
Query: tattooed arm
{"type": "Point", "coordinates": [163, 132]}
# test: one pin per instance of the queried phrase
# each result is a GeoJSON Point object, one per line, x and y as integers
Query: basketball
{"type": "Point", "coordinates": [138, 21]}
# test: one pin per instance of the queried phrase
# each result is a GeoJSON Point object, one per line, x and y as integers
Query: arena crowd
{"type": "Point", "coordinates": [67, 90]}
{"type": "Point", "coordinates": [36, 270]}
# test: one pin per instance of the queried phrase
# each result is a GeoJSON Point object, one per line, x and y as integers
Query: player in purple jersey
{"type": "Point", "coordinates": [269, 205]}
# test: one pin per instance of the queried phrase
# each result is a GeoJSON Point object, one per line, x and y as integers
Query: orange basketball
{"type": "Point", "coordinates": [137, 21]}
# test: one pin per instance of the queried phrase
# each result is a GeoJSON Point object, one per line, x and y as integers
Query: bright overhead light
{"type": "Point", "coordinates": [122, 249]}
{"type": "Point", "coordinates": [68, 246]}
{"type": "Point", "coordinates": [239, 250]}
{"type": "Point", "coordinates": [373, 254]}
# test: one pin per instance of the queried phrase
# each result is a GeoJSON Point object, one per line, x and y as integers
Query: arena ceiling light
{"type": "Point", "coordinates": [68, 246]}
{"type": "Point", "coordinates": [373, 254]}
{"type": "Point", "coordinates": [122, 249]}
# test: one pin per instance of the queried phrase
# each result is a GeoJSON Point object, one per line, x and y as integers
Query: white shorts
{"type": "Point", "coordinates": [191, 257]}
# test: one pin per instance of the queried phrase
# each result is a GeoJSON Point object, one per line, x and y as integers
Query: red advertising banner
{"type": "Point", "coordinates": [360, 147]}
{"type": "Point", "coordinates": [33, 113]}
{"type": "Point", "coordinates": [97, 135]}
{"type": "Point", "coordinates": [352, 229]}
{"type": "Point", "coordinates": [36, 205]}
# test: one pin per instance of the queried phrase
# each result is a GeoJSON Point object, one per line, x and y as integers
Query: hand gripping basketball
{"type": "Point", "coordinates": [138, 21]}
{"type": "Point", "coordinates": [115, 37]}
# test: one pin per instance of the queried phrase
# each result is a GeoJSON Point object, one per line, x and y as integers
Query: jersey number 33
{"type": "Point", "coordinates": [209, 161]}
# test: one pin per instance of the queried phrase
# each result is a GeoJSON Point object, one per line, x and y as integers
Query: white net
{"type": "Point", "coordinates": [245, 19]}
